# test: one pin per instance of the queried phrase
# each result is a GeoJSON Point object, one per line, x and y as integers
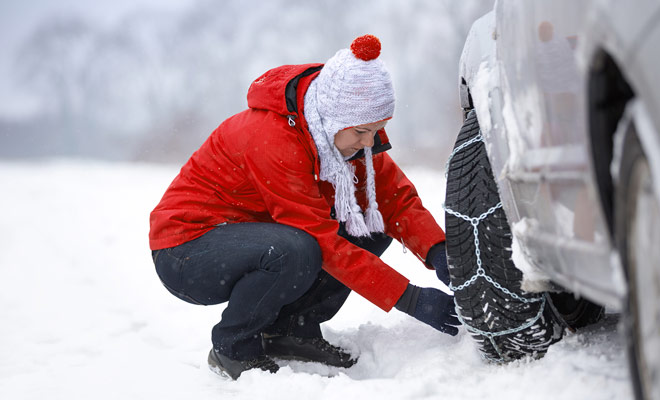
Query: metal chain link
{"type": "Point", "coordinates": [475, 139]}
{"type": "Point", "coordinates": [492, 335]}
{"type": "Point", "coordinates": [481, 272]}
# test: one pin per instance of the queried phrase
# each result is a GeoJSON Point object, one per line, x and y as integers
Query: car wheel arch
{"type": "Point", "coordinates": [608, 93]}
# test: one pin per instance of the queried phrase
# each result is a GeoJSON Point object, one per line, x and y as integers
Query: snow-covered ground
{"type": "Point", "coordinates": [83, 315]}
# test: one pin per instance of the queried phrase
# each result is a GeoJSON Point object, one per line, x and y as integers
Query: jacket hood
{"type": "Point", "coordinates": [276, 89]}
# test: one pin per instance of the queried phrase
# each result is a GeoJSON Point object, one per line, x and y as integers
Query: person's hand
{"type": "Point", "coordinates": [437, 258]}
{"type": "Point", "coordinates": [431, 306]}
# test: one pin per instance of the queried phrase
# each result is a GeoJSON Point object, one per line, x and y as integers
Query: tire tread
{"type": "Point", "coordinates": [471, 190]}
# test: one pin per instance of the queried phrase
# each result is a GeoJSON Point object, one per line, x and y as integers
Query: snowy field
{"type": "Point", "coordinates": [84, 316]}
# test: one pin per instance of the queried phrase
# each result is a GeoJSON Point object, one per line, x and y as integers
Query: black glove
{"type": "Point", "coordinates": [437, 258]}
{"type": "Point", "coordinates": [431, 306]}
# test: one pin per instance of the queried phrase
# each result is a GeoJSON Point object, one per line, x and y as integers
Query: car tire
{"type": "Point", "coordinates": [576, 312]}
{"type": "Point", "coordinates": [506, 323]}
{"type": "Point", "coordinates": [637, 225]}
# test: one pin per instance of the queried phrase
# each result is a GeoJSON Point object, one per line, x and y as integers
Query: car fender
{"type": "Point", "coordinates": [480, 83]}
{"type": "Point", "coordinates": [629, 35]}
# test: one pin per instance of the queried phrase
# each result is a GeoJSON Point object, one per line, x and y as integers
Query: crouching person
{"type": "Point", "coordinates": [287, 208]}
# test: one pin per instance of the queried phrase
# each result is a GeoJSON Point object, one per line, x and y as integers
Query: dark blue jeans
{"type": "Point", "coordinates": [269, 273]}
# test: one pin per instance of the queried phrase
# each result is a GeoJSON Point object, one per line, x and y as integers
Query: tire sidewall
{"type": "Point", "coordinates": [625, 210]}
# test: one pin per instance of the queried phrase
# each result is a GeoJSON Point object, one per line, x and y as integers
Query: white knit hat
{"type": "Point", "coordinates": [353, 88]}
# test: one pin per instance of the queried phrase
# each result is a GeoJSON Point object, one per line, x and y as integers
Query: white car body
{"type": "Point", "coordinates": [527, 71]}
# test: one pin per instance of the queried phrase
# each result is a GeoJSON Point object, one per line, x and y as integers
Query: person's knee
{"type": "Point", "coordinates": [309, 251]}
{"type": "Point", "coordinates": [293, 253]}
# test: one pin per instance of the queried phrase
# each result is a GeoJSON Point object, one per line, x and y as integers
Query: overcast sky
{"type": "Point", "coordinates": [18, 18]}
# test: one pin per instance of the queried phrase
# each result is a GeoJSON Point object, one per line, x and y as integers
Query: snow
{"type": "Point", "coordinates": [85, 317]}
{"type": "Point", "coordinates": [534, 279]}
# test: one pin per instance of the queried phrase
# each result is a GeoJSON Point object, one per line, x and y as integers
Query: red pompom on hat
{"type": "Point", "coordinates": [366, 47]}
{"type": "Point", "coordinates": [353, 87]}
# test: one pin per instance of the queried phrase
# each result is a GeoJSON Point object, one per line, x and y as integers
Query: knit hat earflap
{"type": "Point", "coordinates": [353, 88]}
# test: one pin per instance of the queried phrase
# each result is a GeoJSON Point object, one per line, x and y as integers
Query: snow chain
{"type": "Point", "coordinates": [481, 272]}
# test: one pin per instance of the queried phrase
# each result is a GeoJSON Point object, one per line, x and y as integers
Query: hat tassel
{"type": "Point", "coordinates": [373, 217]}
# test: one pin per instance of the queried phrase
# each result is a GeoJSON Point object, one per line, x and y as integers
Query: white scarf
{"type": "Point", "coordinates": [341, 174]}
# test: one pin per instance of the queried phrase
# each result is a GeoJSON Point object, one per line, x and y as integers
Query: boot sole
{"type": "Point", "coordinates": [307, 360]}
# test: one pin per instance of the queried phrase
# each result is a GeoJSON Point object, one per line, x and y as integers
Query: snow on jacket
{"type": "Point", "coordinates": [261, 165]}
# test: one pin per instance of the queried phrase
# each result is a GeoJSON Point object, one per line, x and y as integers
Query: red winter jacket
{"type": "Point", "coordinates": [257, 167]}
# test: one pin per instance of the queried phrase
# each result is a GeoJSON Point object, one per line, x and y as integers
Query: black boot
{"type": "Point", "coordinates": [307, 349]}
{"type": "Point", "coordinates": [225, 366]}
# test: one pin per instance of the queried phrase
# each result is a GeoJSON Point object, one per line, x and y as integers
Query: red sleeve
{"type": "Point", "coordinates": [283, 174]}
{"type": "Point", "coordinates": [406, 219]}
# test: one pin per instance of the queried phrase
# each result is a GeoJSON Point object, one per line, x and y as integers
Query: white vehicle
{"type": "Point", "coordinates": [553, 189]}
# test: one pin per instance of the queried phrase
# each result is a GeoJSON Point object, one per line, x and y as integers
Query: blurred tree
{"type": "Point", "coordinates": [154, 86]}
{"type": "Point", "coordinates": [53, 62]}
